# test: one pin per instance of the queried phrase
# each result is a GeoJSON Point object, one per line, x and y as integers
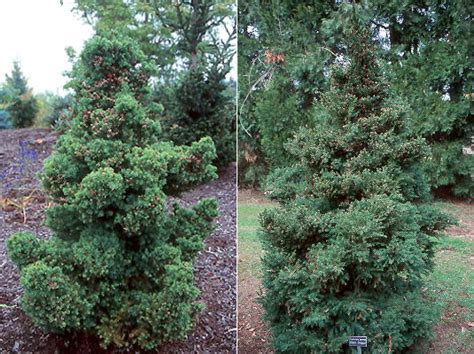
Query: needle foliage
{"type": "Point", "coordinates": [350, 243]}
{"type": "Point", "coordinates": [119, 264]}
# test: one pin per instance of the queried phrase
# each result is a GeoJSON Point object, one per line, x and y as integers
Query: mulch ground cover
{"type": "Point", "coordinates": [21, 154]}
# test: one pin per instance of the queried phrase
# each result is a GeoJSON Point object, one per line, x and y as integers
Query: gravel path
{"type": "Point", "coordinates": [215, 269]}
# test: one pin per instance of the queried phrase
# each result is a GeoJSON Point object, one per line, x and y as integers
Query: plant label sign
{"type": "Point", "coordinates": [358, 341]}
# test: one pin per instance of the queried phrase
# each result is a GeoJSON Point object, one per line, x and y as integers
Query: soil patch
{"type": "Point", "coordinates": [254, 334]}
{"type": "Point", "coordinates": [251, 196]}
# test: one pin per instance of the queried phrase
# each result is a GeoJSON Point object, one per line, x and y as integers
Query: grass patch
{"type": "Point", "coordinates": [250, 249]}
{"type": "Point", "coordinates": [452, 285]}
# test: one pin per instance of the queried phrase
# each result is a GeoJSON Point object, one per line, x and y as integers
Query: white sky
{"type": "Point", "coordinates": [36, 33]}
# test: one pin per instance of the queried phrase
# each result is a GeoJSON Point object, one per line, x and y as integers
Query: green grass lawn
{"type": "Point", "coordinates": [452, 287]}
{"type": "Point", "coordinates": [451, 284]}
{"type": "Point", "coordinates": [250, 249]}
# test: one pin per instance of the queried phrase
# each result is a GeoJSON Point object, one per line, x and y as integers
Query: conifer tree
{"type": "Point", "coordinates": [430, 52]}
{"type": "Point", "coordinates": [120, 261]}
{"type": "Point", "coordinates": [348, 247]}
{"type": "Point", "coordinates": [199, 106]}
{"type": "Point", "coordinates": [23, 106]}
{"type": "Point", "coordinates": [5, 121]}
{"type": "Point", "coordinates": [426, 44]}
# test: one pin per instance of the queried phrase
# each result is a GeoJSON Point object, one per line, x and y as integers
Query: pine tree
{"type": "Point", "coordinates": [5, 121]}
{"type": "Point", "coordinates": [23, 106]}
{"type": "Point", "coordinates": [17, 80]}
{"type": "Point", "coordinates": [200, 106]}
{"type": "Point", "coordinates": [120, 262]}
{"type": "Point", "coordinates": [347, 250]}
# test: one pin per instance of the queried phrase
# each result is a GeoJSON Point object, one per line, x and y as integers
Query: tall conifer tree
{"type": "Point", "coordinates": [347, 250]}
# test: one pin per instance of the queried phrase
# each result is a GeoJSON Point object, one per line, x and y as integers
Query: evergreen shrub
{"type": "Point", "coordinates": [349, 246]}
{"type": "Point", "coordinates": [120, 262]}
{"type": "Point", "coordinates": [5, 122]}
{"type": "Point", "coordinates": [203, 105]}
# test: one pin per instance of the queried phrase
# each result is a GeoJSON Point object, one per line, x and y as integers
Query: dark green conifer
{"type": "Point", "coordinates": [348, 247]}
{"type": "Point", "coordinates": [22, 106]}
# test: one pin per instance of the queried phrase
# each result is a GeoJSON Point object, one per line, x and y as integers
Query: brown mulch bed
{"type": "Point", "coordinates": [215, 269]}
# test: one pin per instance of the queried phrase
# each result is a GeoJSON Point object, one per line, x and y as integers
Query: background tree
{"type": "Point", "coordinates": [281, 64]}
{"type": "Point", "coordinates": [202, 101]}
{"type": "Point", "coordinates": [347, 250]}
{"type": "Point", "coordinates": [120, 262]}
{"type": "Point", "coordinates": [200, 106]}
{"type": "Point", "coordinates": [5, 121]}
{"type": "Point", "coordinates": [53, 109]}
{"type": "Point", "coordinates": [430, 44]}
{"type": "Point", "coordinates": [23, 106]}
{"type": "Point", "coordinates": [425, 46]}
{"type": "Point", "coordinates": [192, 42]}
{"type": "Point", "coordinates": [250, 170]}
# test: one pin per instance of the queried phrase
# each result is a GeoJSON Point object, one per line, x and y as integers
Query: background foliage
{"type": "Point", "coordinates": [286, 48]}
{"type": "Point", "coordinates": [18, 99]}
{"type": "Point", "coordinates": [5, 121]}
{"type": "Point", "coordinates": [53, 109]}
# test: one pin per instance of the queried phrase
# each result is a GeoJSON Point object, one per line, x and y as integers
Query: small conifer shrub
{"type": "Point", "coordinates": [202, 105]}
{"type": "Point", "coordinates": [5, 122]}
{"type": "Point", "coordinates": [120, 261]}
{"type": "Point", "coordinates": [348, 247]}
{"type": "Point", "coordinates": [22, 106]}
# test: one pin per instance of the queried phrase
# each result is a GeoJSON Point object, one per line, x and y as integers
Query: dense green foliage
{"type": "Point", "coordinates": [120, 262]}
{"type": "Point", "coordinates": [53, 109]}
{"type": "Point", "coordinates": [5, 122]}
{"type": "Point", "coordinates": [433, 45]}
{"type": "Point", "coordinates": [348, 247]}
{"type": "Point", "coordinates": [22, 106]}
{"type": "Point", "coordinates": [281, 69]}
{"type": "Point", "coordinates": [200, 107]}
{"type": "Point", "coordinates": [23, 110]}
{"type": "Point", "coordinates": [193, 57]}
{"type": "Point", "coordinates": [171, 33]}
{"type": "Point", "coordinates": [424, 45]}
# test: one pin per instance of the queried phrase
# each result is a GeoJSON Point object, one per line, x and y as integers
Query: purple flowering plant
{"type": "Point", "coordinates": [15, 176]}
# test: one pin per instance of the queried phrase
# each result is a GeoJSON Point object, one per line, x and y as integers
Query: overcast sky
{"type": "Point", "coordinates": [36, 33]}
